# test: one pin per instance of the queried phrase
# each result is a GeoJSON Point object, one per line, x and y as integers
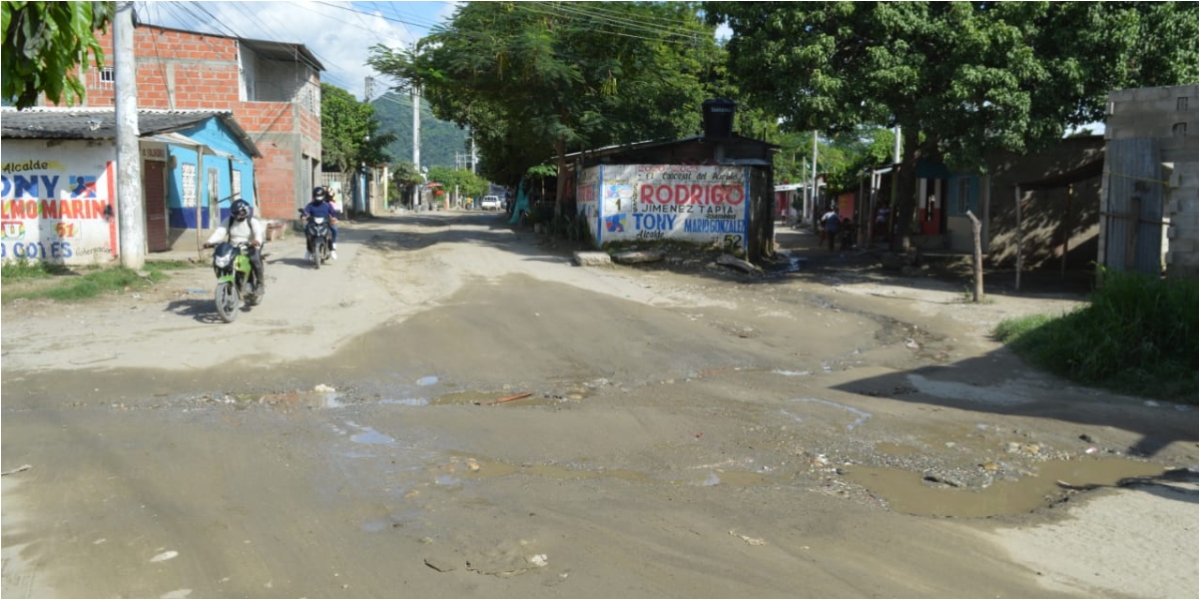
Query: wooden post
{"type": "Point", "coordinates": [976, 231]}
{"type": "Point", "coordinates": [1066, 226]}
{"type": "Point", "coordinates": [1020, 235]}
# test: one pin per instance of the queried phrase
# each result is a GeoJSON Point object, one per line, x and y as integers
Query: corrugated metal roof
{"type": "Point", "coordinates": [101, 123]}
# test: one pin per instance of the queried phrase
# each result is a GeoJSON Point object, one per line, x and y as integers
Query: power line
{"type": "Point", "coordinates": [607, 16]}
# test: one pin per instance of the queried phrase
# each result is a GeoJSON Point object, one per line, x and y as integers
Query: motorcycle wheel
{"type": "Point", "coordinates": [318, 254]}
{"type": "Point", "coordinates": [227, 301]}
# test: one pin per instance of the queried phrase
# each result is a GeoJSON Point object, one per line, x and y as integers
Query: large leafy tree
{"type": "Point", "coordinates": [960, 78]}
{"type": "Point", "coordinates": [350, 133]}
{"type": "Point", "coordinates": [537, 80]}
{"type": "Point", "coordinates": [468, 183]}
{"type": "Point", "coordinates": [44, 44]}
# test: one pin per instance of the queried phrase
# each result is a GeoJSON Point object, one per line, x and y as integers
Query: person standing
{"type": "Point", "coordinates": [831, 224]}
{"type": "Point", "coordinates": [335, 201]}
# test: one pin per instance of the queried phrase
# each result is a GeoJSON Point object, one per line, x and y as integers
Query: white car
{"type": "Point", "coordinates": [490, 203]}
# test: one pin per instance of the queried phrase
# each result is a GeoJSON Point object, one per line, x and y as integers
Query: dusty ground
{"type": "Point", "coordinates": [823, 432]}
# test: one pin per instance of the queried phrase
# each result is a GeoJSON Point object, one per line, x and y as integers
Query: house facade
{"type": "Point", "coordinates": [272, 89]}
{"type": "Point", "coordinates": [58, 201]}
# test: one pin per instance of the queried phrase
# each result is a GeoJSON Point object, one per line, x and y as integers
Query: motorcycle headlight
{"type": "Point", "coordinates": [222, 261]}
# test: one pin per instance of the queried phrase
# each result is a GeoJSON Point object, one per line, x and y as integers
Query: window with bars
{"type": "Point", "coordinates": [106, 78]}
{"type": "Point", "coordinates": [188, 171]}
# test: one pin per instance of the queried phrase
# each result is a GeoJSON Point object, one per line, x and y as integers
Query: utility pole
{"type": "Point", "coordinates": [129, 167]}
{"type": "Point", "coordinates": [895, 183]}
{"type": "Point", "coordinates": [416, 102]}
{"type": "Point", "coordinates": [474, 158]}
{"type": "Point", "coordinates": [814, 176]}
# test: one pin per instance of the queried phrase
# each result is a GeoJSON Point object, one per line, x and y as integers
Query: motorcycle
{"type": "Point", "coordinates": [319, 239]}
{"type": "Point", "coordinates": [235, 280]}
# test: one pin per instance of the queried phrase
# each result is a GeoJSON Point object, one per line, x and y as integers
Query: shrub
{"type": "Point", "coordinates": [1138, 335]}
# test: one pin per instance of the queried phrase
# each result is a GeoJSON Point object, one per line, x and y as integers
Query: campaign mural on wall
{"type": "Point", "coordinates": [694, 203]}
{"type": "Point", "coordinates": [55, 204]}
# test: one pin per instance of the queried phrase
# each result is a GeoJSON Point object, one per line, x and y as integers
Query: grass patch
{"type": "Point", "coordinates": [56, 282]}
{"type": "Point", "coordinates": [1138, 336]}
{"type": "Point", "coordinates": [24, 270]}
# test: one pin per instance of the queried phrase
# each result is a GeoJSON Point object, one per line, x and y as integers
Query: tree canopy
{"type": "Point", "coordinates": [960, 78]}
{"type": "Point", "coordinates": [536, 80]}
{"type": "Point", "coordinates": [44, 44]}
{"type": "Point", "coordinates": [350, 133]}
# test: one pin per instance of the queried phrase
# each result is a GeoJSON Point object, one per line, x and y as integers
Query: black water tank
{"type": "Point", "coordinates": [718, 118]}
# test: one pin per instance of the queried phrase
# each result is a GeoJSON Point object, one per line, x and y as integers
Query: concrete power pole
{"type": "Point", "coordinates": [129, 167]}
{"type": "Point", "coordinates": [815, 209]}
{"type": "Point", "coordinates": [474, 158]}
{"type": "Point", "coordinates": [416, 102]}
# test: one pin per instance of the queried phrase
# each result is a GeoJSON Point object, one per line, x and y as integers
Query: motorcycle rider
{"type": "Point", "coordinates": [321, 207]}
{"type": "Point", "coordinates": [240, 228]}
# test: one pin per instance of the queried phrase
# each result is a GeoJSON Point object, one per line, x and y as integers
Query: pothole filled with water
{"type": "Point", "coordinates": [909, 492]}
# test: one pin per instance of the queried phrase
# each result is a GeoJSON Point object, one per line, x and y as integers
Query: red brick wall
{"type": "Point", "coordinates": [204, 70]}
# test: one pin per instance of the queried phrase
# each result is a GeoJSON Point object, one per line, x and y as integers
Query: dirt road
{"type": "Point", "coordinates": [689, 431]}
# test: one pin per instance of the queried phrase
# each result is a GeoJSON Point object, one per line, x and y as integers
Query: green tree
{"type": "Point", "coordinates": [536, 80]}
{"type": "Point", "coordinates": [44, 44]}
{"type": "Point", "coordinates": [350, 133]}
{"type": "Point", "coordinates": [960, 78]}
{"type": "Point", "coordinates": [404, 177]}
{"type": "Point", "coordinates": [468, 183]}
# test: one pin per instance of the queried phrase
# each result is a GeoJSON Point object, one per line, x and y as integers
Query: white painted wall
{"type": "Point", "coordinates": [57, 201]}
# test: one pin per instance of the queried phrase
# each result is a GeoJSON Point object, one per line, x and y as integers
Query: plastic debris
{"type": "Point", "coordinates": [748, 539]}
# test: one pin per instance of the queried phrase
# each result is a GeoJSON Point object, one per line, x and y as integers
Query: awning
{"type": "Point", "coordinates": [178, 139]}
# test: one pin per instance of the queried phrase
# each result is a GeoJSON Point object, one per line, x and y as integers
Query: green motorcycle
{"type": "Point", "coordinates": [235, 280]}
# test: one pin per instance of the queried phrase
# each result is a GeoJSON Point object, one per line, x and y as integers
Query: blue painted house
{"type": "Point", "coordinates": [193, 165]}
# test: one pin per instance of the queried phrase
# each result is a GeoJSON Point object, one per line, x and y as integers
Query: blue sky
{"type": "Point", "coordinates": [340, 34]}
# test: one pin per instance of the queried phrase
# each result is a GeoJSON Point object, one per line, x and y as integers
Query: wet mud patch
{"type": "Point", "coordinates": [925, 494]}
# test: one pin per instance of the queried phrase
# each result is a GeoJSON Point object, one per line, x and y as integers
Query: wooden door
{"type": "Point", "coordinates": [154, 190]}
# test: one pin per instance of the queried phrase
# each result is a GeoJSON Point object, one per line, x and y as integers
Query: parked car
{"type": "Point", "coordinates": [490, 203]}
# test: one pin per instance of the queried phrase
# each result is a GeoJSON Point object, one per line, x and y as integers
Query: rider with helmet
{"type": "Point", "coordinates": [242, 229]}
{"type": "Point", "coordinates": [321, 206]}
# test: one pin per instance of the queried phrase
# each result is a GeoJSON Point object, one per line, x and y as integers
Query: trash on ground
{"type": "Point", "coordinates": [748, 539]}
{"type": "Point", "coordinates": [18, 469]}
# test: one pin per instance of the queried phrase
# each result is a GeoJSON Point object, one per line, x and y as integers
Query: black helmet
{"type": "Point", "coordinates": [240, 209]}
{"type": "Point", "coordinates": [320, 195]}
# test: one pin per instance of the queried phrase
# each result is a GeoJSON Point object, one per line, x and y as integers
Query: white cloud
{"type": "Point", "coordinates": [340, 34]}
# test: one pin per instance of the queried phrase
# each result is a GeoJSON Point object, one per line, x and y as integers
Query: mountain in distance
{"type": "Point", "coordinates": [440, 140]}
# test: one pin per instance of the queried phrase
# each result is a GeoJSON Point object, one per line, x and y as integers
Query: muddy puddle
{"type": "Point", "coordinates": [460, 468]}
{"type": "Point", "coordinates": [908, 491]}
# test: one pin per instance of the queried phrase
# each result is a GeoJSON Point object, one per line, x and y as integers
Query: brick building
{"type": "Point", "coordinates": [273, 90]}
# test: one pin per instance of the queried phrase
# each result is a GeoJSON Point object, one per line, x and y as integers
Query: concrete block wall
{"type": "Point", "coordinates": [1170, 116]}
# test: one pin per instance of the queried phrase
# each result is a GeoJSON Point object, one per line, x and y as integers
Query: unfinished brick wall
{"type": "Point", "coordinates": [183, 70]}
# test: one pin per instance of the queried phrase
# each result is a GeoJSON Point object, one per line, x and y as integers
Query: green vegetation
{"type": "Point", "coordinates": [35, 280]}
{"type": "Point", "coordinates": [961, 79]}
{"type": "Point", "coordinates": [538, 81]}
{"type": "Point", "coordinates": [441, 140]}
{"type": "Point", "coordinates": [350, 132]}
{"type": "Point", "coordinates": [1138, 336]}
{"type": "Point", "coordinates": [44, 43]}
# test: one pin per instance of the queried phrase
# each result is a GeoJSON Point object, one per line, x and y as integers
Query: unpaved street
{"type": "Point", "coordinates": [689, 432]}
